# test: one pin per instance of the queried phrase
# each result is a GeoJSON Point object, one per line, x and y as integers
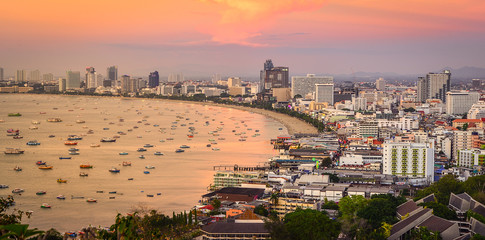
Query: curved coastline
{"type": "Point", "coordinates": [293, 125]}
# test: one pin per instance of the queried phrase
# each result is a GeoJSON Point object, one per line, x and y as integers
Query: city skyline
{"type": "Point", "coordinates": [232, 38]}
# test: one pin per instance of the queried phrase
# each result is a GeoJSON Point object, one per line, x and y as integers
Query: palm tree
{"type": "Point", "coordinates": [19, 231]}
{"type": "Point", "coordinates": [274, 198]}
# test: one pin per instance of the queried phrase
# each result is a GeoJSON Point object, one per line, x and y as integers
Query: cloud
{"type": "Point", "coordinates": [242, 20]}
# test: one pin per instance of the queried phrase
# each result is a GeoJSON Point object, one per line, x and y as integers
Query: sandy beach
{"type": "Point", "coordinates": [294, 125]}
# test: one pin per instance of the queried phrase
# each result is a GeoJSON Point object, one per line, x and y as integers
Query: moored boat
{"type": "Point", "coordinates": [33, 143]}
{"type": "Point", "coordinates": [141, 157]}
{"type": "Point", "coordinates": [45, 205]}
{"type": "Point", "coordinates": [40, 163]}
{"type": "Point", "coordinates": [83, 174]}
{"type": "Point", "coordinates": [61, 197]}
{"type": "Point", "coordinates": [108, 140]}
{"type": "Point", "coordinates": [126, 164]}
{"type": "Point", "coordinates": [17, 190]}
{"type": "Point", "coordinates": [4, 186]}
{"type": "Point", "coordinates": [95, 145]}
{"type": "Point", "coordinates": [60, 180]}
{"type": "Point", "coordinates": [114, 170]}
{"type": "Point", "coordinates": [65, 158]}
{"type": "Point", "coordinates": [17, 168]}
{"type": "Point", "coordinates": [41, 193]}
{"type": "Point", "coordinates": [13, 151]}
{"type": "Point", "coordinates": [54, 120]}
{"type": "Point", "coordinates": [70, 143]}
{"type": "Point", "coordinates": [179, 150]}
{"type": "Point", "coordinates": [141, 150]}
{"type": "Point", "coordinates": [158, 153]}
{"type": "Point", "coordinates": [91, 200]}
{"type": "Point", "coordinates": [148, 145]}
{"type": "Point", "coordinates": [73, 149]}
{"type": "Point", "coordinates": [123, 153]}
{"type": "Point", "coordinates": [184, 146]}
{"type": "Point", "coordinates": [73, 153]}
{"type": "Point", "coordinates": [149, 167]}
{"type": "Point", "coordinates": [45, 167]}
{"type": "Point", "coordinates": [86, 166]}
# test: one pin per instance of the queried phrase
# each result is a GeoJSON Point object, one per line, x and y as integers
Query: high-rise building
{"type": "Point", "coordinates": [434, 86]}
{"type": "Point", "coordinates": [35, 75]}
{"type": "Point", "coordinates": [176, 77]}
{"type": "Point", "coordinates": [360, 103]}
{"type": "Point", "coordinates": [62, 84]}
{"type": "Point", "coordinates": [20, 76]}
{"type": "Point", "coordinates": [304, 85]}
{"type": "Point", "coordinates": [477, 111]}
{"type": "Point", "coordinates": [470, 158]}
{"type": "Point", "coordinates": [153, 79]}
{"type": "Point", "coordinates": [234, 82]}
{"type": "Point", "coordinates": [134, 85]}
{"type": "Point", "coordinates": [112, 73]}
{"type": "Point", "coordinates": [73, 79]}
{"type": "Point", "coordinates": [90, 77]}
{"type": "Point", "coordinates": [463, 140]}
{"type": "Point", "coordinates": [1, 74]}
{"type": "Point", "coordinates": [48, 77]}
{"type": "Point", "coordinates": [216, 78]}
{"type": "Point", "coordinates": [274, 77]}
{"type": "Point", "coordinates": [477, 84]}
{"type": "Point", "coordinates": [324, 93]}
{"type": "Point", "coordinates": [460, 102]}
{"type": "Point", "coordinates": [413, 160]}
{"type": "Point", "coordinates": [381, 84]}
{"type": "Point", "coordinates": [125, 83]}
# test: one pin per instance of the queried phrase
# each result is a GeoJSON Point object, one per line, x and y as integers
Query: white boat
{"type": "Point", "coordinates": [18, 190]}
{"type": "Point", "coordinates": [149, 167]}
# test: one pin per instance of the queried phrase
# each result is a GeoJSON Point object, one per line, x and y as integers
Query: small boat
{"type": "Point", "coordinates": [41, 193]}
{"type": "Point", "coordinates": [54, 120]}
{"type": "Point", "coordinates": [169, 139]}
{"type": "Point", "coordinates": [108, 140]}
{"type": "Point", "coordinates": [33, 143]}
{"type": "Point", "coordinates": [179, 150]}
{"type": "Point", "coordinates": [280, 128]}
{"type": "Point", "coordinates": [65, 158]}
{"type": "Point", "coordinates": [61, 197]}
{"type": "Point", "coordinates": [14, 114]}
{"type": "Point", "coordinates": [86, 166]}
{"type": "Point", "coordinates": [73, 137]}
{"type": "Point", "coordinates": [215, 149]}
{"type": "Point", "coordinates": [45, 167]}
{"type": "Point", "coordinates": [221, 138]}
{"type": "Point", "coordinates": [105, 128]}
{"type": "Point", "coordinates": [100, 191]}
{"type": "Point", "coordinates": [3, 186]}
{"type": "Point", "coordinates": [242, 139]}
{"type": "Point", "coordinates": [149, 195]}
{"type": "Point", "coordinates": [17, 168]}
{"type": "Point", "coordinates": [184, 146]}
{"type": "Point", "coordinates": [40, 163]}
{"type": "Point", "coordinates": [60, 180]}
{"type": "Point", "coordinates": [80, 121]}
{"type": "Point", "coordinates": [112, 192]}
{"type": "Point", "coordinates": [141, 150]}
{"type": "Point", "coordinates": [73, 149]}
{"type": "Point", "coordinates": [52, 136]}
{"type": "Point", "coordinates": [77, 197]}
{"type": "Point", "coordinates": [114, 170]}
{"type": "Point", "coordinates": [13, 151]}
{"type": "Point", "coordinates": [130, 179]}
{"type": "Point", "coordinates": [83, 174]}
{"type": "Point", "coordinates": [148, 145]}
{"type": "Point", "coordinates": [161, 140]}
{"type": "Point", "coordinates": [208, 145]}
{"type": "Point", "coordinates": [158, 153]}
{"type": "Point", "coordinates": [45, 205]}
{"type": "Point", "coordinates": [91, 200]}
{"type": "Point", "coordinates": [73, 153]}
{"type": "Point", "coordinates": [18, 190]}
{"type": "Point", "coordinates": [149, 167]}
{"type": "Point", "coordinates": [126, 164]}
{"type": "Point", "coordinates": [123, 153]}
{"type": "Point", "coordinates": [17, 137]}
{"type": "Point", "coordinates": [70, 143]}
{"type": "Point", "coordinates": [33, 127]}
{"type": "Point", "coordinates": [146, 172]}
{"type": "Point", "coordinates": [112, 197]}
{"type": "Point", "coordinates": [95, 145]}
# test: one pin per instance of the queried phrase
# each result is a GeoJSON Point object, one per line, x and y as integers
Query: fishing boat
{"type": "Point", "coordinates": [33, 143]}
{"type": "Point", "coordinates": [215, 149]}
{"type": "Point", "coordinates": [108, 140]}
{"type": "Point", "coordinates": [125, 164]}
{"type": "Point", "coordinates": [70, 143]}
{"type": "Point", "coordinates": [17, 168]}
{"type": "Point", "coordinates": [184, 146]}
{"type": "Point", "coordinates": [95, 145]}
{"type": "Point", "coordinates": [14, 114]}
{"type": "Point", "coordinates": [179, 150]}
{"type": "Point", "coordinates": [73, 153]}
{"type": "Point", "coordinates": [13, 151]}
{"type": "Point", "coordinates": [3, 186]}
{"type": "Point", "coordinates": [41, 193]}
{"type": "Point", "coordinates": [208, 145]}
{"type": "Point", "coordinates": [149, 195]}
{"type": "Point", "coordinates": [86, 166]}
{"type": "Point", "coordinates": [60, 180]}
{"type": "Point", "coordinates": [146, 172]}
{"type": "Point", "coordinates": [40, 163]}
{"type": "Point", "coordinates": [45, 205]}
{"type": "Point", "coordinates": [17, 137]}
{"type": "Point", "coordinates": [61, 197]}
{"type": "Point", "coordinates": [148, 145]}
{"type": "Point", "coordinates": [114, 170]}
{"type": "Point", "coordinates": [64, 158]}
{"type": "Point", "coordinates": [91, 200]}
{"type": "Point", "coordinates": [141, 157]}
{"type": "Point", "coordinates": [52, 136]}
{"type": "Point", "coordinates": [141, 150]}
{"type": "Point", "coordinates": [18, 190]}
{"type": "Point", "coordinates": [158, 153]}
{"type": "Point", "coordinates": [149, 167]}
{"type": "Point", "coordinates": [158, 194]}
{"type": "Point", "coordinates": [74, 137]}
{"type": "Point", "coordinates": [123, 153]}
{"type": "Point", "coordinates": [130, 179]}
{"type": "Point", "coordinates": [45, 167]}
{"type": "Point", "coordinates": [54, 120]}
{"type": "Point", "coordinates": [73, 149]}
{"type": "Point", "coordinates": [83, 174]}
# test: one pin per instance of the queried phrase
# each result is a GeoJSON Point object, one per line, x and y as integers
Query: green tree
{"type": "Point", "coordinates": [216, 203]}
{"type": "Point", "coordinates": [52, 234]}
{"type": "Point", "coordinates": [478, 237]}
{"type": "Point", "coordinates": [326, 162]}
{"type": "Point", "coordinates": [378, 210]}
{"type": "Point", "coordinates": [422, 233]}
{"type": "Point", "coordinates": [9, 218]}
{"type": "Point", "coordinates": [310, 224]}
{"type": "Point", "coordinates": [440, 210]}
{"type": "Point", "coordinates": [442, 189]}
{"type": "Point", "coordinates": [19, 231]}
{"type": "Point", "coordinates": [261, 210]}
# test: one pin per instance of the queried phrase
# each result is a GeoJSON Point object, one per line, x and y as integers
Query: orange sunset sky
{"type": "Point", "coordinates": [234, 37]}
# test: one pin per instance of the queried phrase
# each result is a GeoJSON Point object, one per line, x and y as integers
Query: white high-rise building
{"type": "Point", "coordinates": [1, 74]}
{"type": "Point", "coordinates": [460, 102]}
{"type": "Point", "coordinates": [324, 93]}
{"type": "Point", "coordinates": [360, 103]}
{"type": "Point", "coordinates": [73, 79]}
{"type": "Point", "coordinates": [90, 77]}
{"type": "Point", "coordinates": [463, 140]}
{"type": "Point", "coordinates": [470, 158]}
{"type": "Point", "coordinates": [99, 80]}
{"type": "Point", "coordinates": [62, 84]}
{"type": "Point", "coordinates": [413, 160]}
{"type": "Point", "coordinates": [48, 77]}
{"type": "Point", "coordinates": [35, 76]}
{"type": "Point", "coordinates": [304, 85]}
{"type": "Point", "coordinates": [477, 111]}
{"type": "Point", "coordinates": [176, 77]}
{"type": "Point", "coordinates": [216, 78]}
{"type": "Point", "coordinates": [381, 84]}
{"type": "Point", "coordinates": [434, 86]}
{"type": "Point", "coordinates": [234, 82]}
{"type": "Point", "coordinates": [20, 76]}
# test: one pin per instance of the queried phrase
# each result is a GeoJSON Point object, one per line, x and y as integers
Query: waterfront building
{"type": "Point", "coordinates": [305, 85]}
{"type": "Point", "coordinates": [112, 73]}
{"type": "Point", "coordinates": [48, 77]}
{"type": "Point", "coordinates": [234, 179]}
{"type": "Point", "coordinates": [274, 77]}
{"type": "Point", "coordinates": [360, 158]}
{"type": "Point", "coordinates": [1, 74]}
{"type": "Point", "coordinates": [234, 230]}
{"type": "Point", "coordinates": [434, 86]}
{"type": "Point", "coordinates": [20, 76]}
{"type": "Point", "coordinates": [62, 85]}
{"type": "Point", "coordinates": [153, 79]}
{"type": "Point", "coordinates": [381, 84]}
{"type": "Point", "coordinates": [287, 205]}
{"type": "Point", "coordinates": [324, 93]}
{"type": "Point", "coordinates": [460, 102]}
{"type": "Point", "coordinates": [35, 75]}
{"type": "Point", "coordinates": [73, 79]}
{"type": "Point", "coordinates": [125, 84]}
{"type": "Point", "coordinates": [470, 158]}
{"type": "Point", "coordinates": [90, 77]}
{"type": "Point", "coordinates": [413, 160]}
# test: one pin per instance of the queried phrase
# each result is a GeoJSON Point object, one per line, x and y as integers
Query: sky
{"type": "Point", "coordinates": [235, 37]}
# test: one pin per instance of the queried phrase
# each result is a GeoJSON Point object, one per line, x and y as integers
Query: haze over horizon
{"type": "Point", "coordinates": [203, 37]}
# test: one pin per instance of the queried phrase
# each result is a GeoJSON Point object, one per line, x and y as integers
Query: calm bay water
{"type": "Point", "coordinates": [181, 178]}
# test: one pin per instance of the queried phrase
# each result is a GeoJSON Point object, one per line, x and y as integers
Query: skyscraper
{"type": "Point", "coordinates": [434, 86]}
{"type": "Point", "coordinates": [73, 79]}
{"type": "Point", "coordinates": [20, 76]}
{"type": "Point", "coordinates": [125, 83]}
{"type": "Point", "coordinates": [112, 73]}
{"type": "Point", "coordinates": [153, 79]}
{"type": "Point", "coordinates": [381, 84]}
{"type": "Point", "coordinates": [413, 160]}
{"type": "Point", "coordinates": [274, 77]}
{"type": "Point", "coordinates": [35, 76]}
{"type": "Point", "coordinates": [90, 77]}
{"type": "Point", "coordinates": [48, 77]}
{"type": "Point", "coordinates": [304, 85]}
{"type": "Point", "coordinates": [62, 84]}
{"type": "Point", "coordinates": [460, 102]}
{"type": "Point", "coordinates": [324, 93]}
